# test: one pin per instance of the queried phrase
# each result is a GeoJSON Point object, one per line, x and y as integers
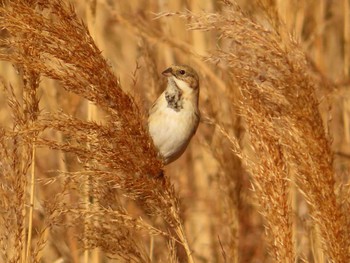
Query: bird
{"type": "Point", "coordinates": [174, 117]}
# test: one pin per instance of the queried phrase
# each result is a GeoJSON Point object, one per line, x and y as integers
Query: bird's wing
{"type": "Point", "coordinates": [197, 120]}
{"type": "Point", "coordinates": [154, 107]}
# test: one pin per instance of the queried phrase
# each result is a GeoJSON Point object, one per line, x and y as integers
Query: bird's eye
{"type": "Point", "coordinates": [182, 72]}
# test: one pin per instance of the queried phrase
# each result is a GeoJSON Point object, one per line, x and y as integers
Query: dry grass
{"type": "Point", "coordinates": [265, 179]}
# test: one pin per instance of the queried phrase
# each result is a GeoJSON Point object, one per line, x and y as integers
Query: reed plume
{"type": "Point", "coordinates": [119, 151]}
{"type": "Point", "coordinates": [259, 181]}
{"type": "Point", "coordinates": [278, 102]}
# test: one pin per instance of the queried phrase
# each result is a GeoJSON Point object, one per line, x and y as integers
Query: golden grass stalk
{"type": "Point", "coordinates": [91, 18]}
{"type": "Point", "coordinates": [16, 160]}
{"type": "Point", "coordinates": [346, 38]}
{"type": "Point", "coordinates": [31, 204]}
{"type": "Point", "coordinates": [31, 109]}
{"type": "Point", "coordinates": [120, 151]}
{"type": "Point", "coordinates": [285, 127]}
{"type": "Point", "coordinates": [77, 63]}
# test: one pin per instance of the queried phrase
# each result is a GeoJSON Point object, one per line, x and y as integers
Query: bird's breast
{"type": "Point", "coordinates": [172, 130]}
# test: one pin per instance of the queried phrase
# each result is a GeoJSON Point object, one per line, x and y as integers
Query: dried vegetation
{"type": "Point", "coordinates": [264, 180]}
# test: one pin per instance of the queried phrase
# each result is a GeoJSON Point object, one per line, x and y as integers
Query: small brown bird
{"type": "Point", "coordinates": [174, 116]}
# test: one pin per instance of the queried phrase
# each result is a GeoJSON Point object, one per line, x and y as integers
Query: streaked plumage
{"type": "Point", "coordinates": [174, 117]}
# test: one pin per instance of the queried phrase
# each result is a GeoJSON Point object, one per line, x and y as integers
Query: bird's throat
{"type": "Point", "coordinates": [173, 96]}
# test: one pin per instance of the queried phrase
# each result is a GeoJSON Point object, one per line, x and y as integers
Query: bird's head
{"type": "Point", "coordinates": [184, 76]}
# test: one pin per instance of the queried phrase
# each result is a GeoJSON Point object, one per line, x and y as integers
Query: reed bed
{"type": "Point", "coordinates": [266, 177]}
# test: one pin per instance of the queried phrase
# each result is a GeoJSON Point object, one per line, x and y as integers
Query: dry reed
{"type": "Point", "coordinates": [72, 180]}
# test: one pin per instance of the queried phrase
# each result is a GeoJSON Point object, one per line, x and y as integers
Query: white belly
{"type": "Point", "coordinates": [172, 130]}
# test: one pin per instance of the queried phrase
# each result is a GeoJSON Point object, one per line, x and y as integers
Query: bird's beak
{"type": "Point", "coordinates": [168, 72]}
